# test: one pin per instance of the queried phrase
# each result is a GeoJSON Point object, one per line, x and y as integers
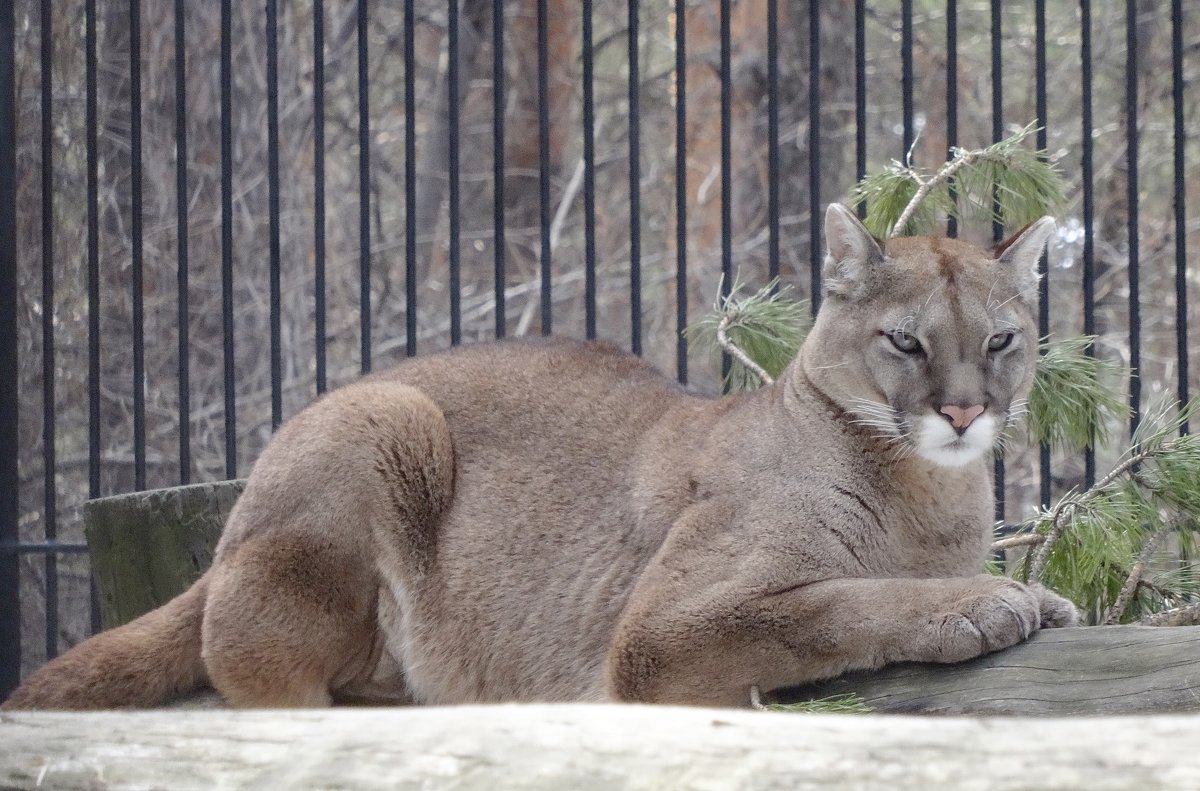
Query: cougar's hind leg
{"type": "Point", "coordinates": [292, 617]}
{"type": "Point", "coordinates": [285, 622]}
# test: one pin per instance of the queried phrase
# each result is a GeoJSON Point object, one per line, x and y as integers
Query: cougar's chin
{"type": "Point", "coordinates": [938, 442]}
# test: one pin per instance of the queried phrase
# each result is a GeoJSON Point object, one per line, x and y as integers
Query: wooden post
{"type": "Point", "coordinates": [148, 547]}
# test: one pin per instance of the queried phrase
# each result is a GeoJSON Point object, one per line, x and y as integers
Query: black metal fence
{"type": "Point", "coordinates": [383, 149]}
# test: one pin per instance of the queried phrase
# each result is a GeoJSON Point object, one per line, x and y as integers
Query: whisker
{"type": "Point", "coordinates": [886, 424]}
{"type": "Point", "coordinates": [997, 306]}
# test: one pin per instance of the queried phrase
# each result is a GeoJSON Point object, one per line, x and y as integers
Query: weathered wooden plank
{"type": "Point", "coordinates": [1058, 672]}
{"type": "Point", "coordinates": [589, 747]}
{"type": "Point", "coordinates": [148, 547]}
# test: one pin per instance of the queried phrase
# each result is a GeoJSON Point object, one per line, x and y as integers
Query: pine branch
{"type": "Point", "coordinates": [1097, 544]}
{"type": "Point", "coordinates": [1114, 613]}
{"type": "Point", "coordinates": [847, 703]}
{"type": "Point", "coordinates": [1005, 182]}
{"type": "Point", "coordinates": [1013, 542]}
{"type": "Point", "coordinates": [1071, 406]}
{"type": "Point", "coordinates": [1071, 504]}
{"type": "Point", "coordinates": [1158, 590]}
{"type": "Point", "coordinates": [762, 332]}
{"type": "Point", "coordinates": [729, 346]}
{"type": "Point", "coordinates": [947, 171]}
{"type": "Point", "coordinates": [1187, 615]}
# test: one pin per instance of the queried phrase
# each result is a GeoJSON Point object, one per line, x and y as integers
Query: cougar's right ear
{"type": "Point", "coordinates": [851, 252]}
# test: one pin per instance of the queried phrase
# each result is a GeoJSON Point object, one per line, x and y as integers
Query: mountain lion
{"type": "Point", "coordinates": [557, 521]}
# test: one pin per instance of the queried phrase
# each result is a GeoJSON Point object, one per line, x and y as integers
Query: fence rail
{"type": "Point", "coordinates": [208, 217]}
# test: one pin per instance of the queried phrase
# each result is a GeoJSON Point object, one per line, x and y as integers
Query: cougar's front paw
{"type": "Point", "coordinates": [1056, 610]}
{"type": "Point", "coordinates": [990, 614]}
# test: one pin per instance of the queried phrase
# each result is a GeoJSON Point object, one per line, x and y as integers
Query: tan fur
{"type": "Point", "coordinates": [553, 520]}
{"type": "Point", "coordinates": [145, 662]}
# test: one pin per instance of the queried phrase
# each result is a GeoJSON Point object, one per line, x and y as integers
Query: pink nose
{"type": "Point", "coordinates": [960, 417]}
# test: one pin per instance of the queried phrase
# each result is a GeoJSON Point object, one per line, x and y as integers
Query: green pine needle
{"type": "Point", "coordinates": [1072, 406]}
{"type": "Point", "coordinates": [1154, 489]}
{"type": "Point", "coordinates": [1023, 183]}
{"type": "Point", "coordinates": [886, 194]}
{"type": "Point", "coordinates": [1006, 182]}
{"type": "Point", "coordinates": [1091, 561]}
{"type": "Point", "coordinates": [848, 703]}
{"type": "Point", "coordinates": [1171, 472]}
{"type": "Point", "coordinates": [767, 325]}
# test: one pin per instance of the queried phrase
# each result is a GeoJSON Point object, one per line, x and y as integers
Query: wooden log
{"type": "Point", "coordinates": [589, 746]}
{"type": "Point", "coordinates": [1057, 672]}
{"type": "Point", "coordinates": [148, 547]}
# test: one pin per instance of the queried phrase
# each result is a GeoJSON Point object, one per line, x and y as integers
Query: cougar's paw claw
{"type": "Point", "coordinates": [994, 613]}
{"type": "Point", "coordinates": [1056, 610]}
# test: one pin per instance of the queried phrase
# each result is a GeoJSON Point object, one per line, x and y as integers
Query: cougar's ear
{"type": "Point", "coordinates": [1020, 254]}
{"type": "Point", "coordinates": [851, 252]}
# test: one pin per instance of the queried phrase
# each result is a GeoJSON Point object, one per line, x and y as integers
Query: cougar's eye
{"type": "Point", "coordinates": [1000, 340]}
{"type": "Point", "coordinates": [904, 341]}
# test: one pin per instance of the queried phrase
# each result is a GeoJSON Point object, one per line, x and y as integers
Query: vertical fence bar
{"type": "Point", "coordinates": [319, 190]}
{"type": "Point", "coordinates": [681, 283]}
{"type": "Point", "coordinates": [181, 244]}
{"type": "Point", "coordinates": [997, 33]}
{"type": "Point", "coordinates": [860, 96]}
{"type": "Point", "coordinates": [773, 139]}
{"type": "Point", "coordinates": [1086, 166]}
{"type": "Point", "coordinates": [726, 168]}
{"type": "Point", "coordinates": [543, 89]}
{"type": "Point", "coordinates": [1181, 307]}
{"type": "Point", "coordinates": [635, 186]}
{"type": "Point", "coordinates": [498, 112]}
{"type": "Point", "coordinates": [906, 74]}
{"type": "Point", "coordinates": [135, 231]}
{"type": "Point", "coordinates": [1039, 13]}
{"type": "Point", "coordinates": [1131, 159]}
{"type": "Point", "coordinates": [49, 463]}
{"type": "Point", "coordinates": [227, 236]}
{"type": "Point", "coordinates": [364, 191]}
{"type": "Point", "coordinates": [589, 176]}
{"type": "Point", "coordinates": [951, 98]}
{"type": "Point", "coordinates": [274, 264]}
{"type": "Point", "coordinates": [814, 154]}
{"type": "Point", "coordinates": [10, 570]}
{"type": "Point", "coordinates": [452, 163]}
{"type": "Point", "coordinates": [997, 226]}
{"type": "Point", "coordinates": [91, 123]}
{"type": "Point", "coordinates": [410, 182]}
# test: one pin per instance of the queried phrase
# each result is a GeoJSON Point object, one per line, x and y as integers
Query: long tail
{"type": "Point", "coordinates": [144, 663]}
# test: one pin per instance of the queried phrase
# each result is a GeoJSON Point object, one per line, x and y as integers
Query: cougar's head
{"type": "Point", "coordinates": [928, 342]}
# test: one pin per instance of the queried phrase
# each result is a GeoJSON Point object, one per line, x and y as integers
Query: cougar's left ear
{"type": "Point", "coordinates": [1020, 253]}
